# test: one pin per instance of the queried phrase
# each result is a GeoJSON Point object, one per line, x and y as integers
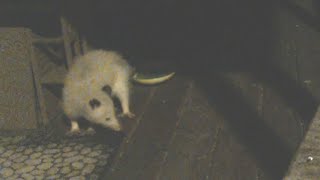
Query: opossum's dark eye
{"type": "Point", "coordinates": [94, 103]}
{"type": "Point", "coordinates": [107, 119]}
{"type": "Point", "coordinates": [107, 89]}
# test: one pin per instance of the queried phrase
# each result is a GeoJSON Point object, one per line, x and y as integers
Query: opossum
{"type": "Point", "coordinates": [91, 82]}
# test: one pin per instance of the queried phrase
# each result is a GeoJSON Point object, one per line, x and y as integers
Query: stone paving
{"type": "Point", "coordinates": [65, 159]}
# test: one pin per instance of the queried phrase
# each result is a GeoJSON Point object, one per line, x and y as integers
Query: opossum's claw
{"type": "Point", "coordinates": [127, 114]}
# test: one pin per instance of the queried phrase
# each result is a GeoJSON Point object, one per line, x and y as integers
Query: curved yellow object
{"type": "Point", "coordinates": [150, 80]}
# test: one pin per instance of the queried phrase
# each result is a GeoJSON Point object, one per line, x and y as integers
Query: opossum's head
{"type": "Point", "coordinates": [101, 111]}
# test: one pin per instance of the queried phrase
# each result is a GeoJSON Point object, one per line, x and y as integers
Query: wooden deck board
{"type": "Point", "coordinates": [307, 42]}
{"type": "Point", "coordinates": [233, 158]}
{"type": "Point", "coordinates": [193, 144]}
{"type": "Point", "coordinates": [303, 167]}
{"type": "Point", "coordinates": [146, 147]}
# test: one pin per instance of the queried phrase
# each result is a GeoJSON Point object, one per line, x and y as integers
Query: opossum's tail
{"type": "Point", "coordinates": [151, 79]}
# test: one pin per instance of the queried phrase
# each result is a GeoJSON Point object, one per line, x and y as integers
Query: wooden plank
{"type": "Point", "coordinates": [286, 126]}
{"type": "Point", "coordinates": [140, 100]}
{"type": "Point", "coordinates": [55, 75]}
{"type": "Point", "coordinates": [248, 127]}
{"type": "Point", "coordinates": [84, 45]}
{"type": "Point", "coordinates": [281, 75]}
{"type": "Point", "coordinates": [283, 97]}
{"type": "Point", "coordinates": [76, 43]}
{"type": "Point", "coordinates": [47, 41]}
{"type": "Point", "coordinates": [65, 28]}
{"type": "Point", "coordinates": [233, 157]}
{"type": "Point", "coordinates": [149, 140]}
{"type": "Point", "coordinates": [194, 142]}
{"type": "Point", "coordinates": [200, 149]}
{"type": "Point", "coordinates": [43, 121]}
{"type": "Point", "coordinates": [18, 104]}
{"type": "Point", "coordinates": [307, 161]}
{"type": "Point", "coordinates": [289, 106]}
{"type": "Point", "coordinates": [307, 42]}
{"type": "Point", "coordinates": [51, 89]}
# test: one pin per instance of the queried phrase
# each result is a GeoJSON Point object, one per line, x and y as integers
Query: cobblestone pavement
{"type": "Point", "coordinates": [65, 159]}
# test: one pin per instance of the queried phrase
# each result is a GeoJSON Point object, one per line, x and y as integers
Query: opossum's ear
{"type": "Point", "coordinates": [107, 89]}
{"type": "Point", "coordinates": [94, 103]}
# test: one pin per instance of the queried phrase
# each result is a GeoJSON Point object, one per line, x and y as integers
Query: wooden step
{"type": "Point", "coordinates": [145, 145]}
{"type": "Point", "coordinates": [18, 100]}
{"type": "Point", "coordinates": [55, 76]}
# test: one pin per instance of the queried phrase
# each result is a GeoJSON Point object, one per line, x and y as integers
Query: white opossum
{"type": "Point", "coordinates": [93, 79]}
{"type": "Point", "coordinates": [90, 84]}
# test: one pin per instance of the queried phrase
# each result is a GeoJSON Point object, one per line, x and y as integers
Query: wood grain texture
{"type": "Point", "coordinates": [144, 150]}
{"type": "Point", "coordinates": [18, 92]}
{"type": "Point", "coordinates": [307, 162]}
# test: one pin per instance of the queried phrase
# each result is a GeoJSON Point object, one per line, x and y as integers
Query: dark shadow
{"type": "Point", "coordinates": [102, 135]}
{"type": "Point", "coordinates": [60, 126]}
{"type": "Point", "coordinates": [55, 89]}
{"type": "Point", "coordinates": [41, 17]}
{"type": "Point", "coordinates": [271, 152]}
{"type": "Point", "coordinates": [55, 54]}
{"type": "Point", "coordinates": [308, 16]}
{"type": "Point", "coordinates": [292, 92]}
{"type": "Point", "coordinates": [316, 7]}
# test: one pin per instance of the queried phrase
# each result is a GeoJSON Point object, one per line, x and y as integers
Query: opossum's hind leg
{"type": "Point", "coordinates": [74, 126]}
{"type": "Point", "coordinates": [121, 90]}
{"type": "Point", "coordinates": [74, 130]}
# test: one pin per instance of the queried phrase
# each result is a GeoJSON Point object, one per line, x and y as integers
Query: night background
{"type": "Point", "coordinates": [247, 72]}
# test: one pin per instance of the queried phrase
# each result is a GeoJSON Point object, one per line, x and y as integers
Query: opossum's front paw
{"type": "Point", "coordinates": [127, 114]}
{"type": "Point", "coordinates": [90, 131]}
{"type": "Point", "coordinates": [74, 133]}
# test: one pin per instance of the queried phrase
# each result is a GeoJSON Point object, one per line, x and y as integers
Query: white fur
{"type": "Point", "coordinates": [85, 80]}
